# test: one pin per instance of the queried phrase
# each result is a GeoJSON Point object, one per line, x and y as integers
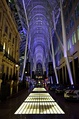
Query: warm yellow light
{"type": "Point", "coordinates": [4, 46]}
{"type": "Point", "coordinates": [39, 103]}
{"type": "Point", "coordinates": [39, 108]}
{"type": "Point", "coordinates": [39, 89]}
{"type": "Point", "coordinates": [16, 65]}
{"type": "Point", "coordinates": [25, 72]}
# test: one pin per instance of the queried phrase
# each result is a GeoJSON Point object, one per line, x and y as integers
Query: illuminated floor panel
{"type": "Point", "coordinates": [39, 108]}
{"type": "Point", "coordinates": [37, 99]}
{"type": "Point", "coordinates": [39, 94]}
{"type": "Point", "coordinates": [39, 89]}
{"type": "Point", "coordinates": [39, 103]}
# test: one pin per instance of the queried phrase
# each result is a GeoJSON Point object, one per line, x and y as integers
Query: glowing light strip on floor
{"type": "Point", "coordinates": [39, 94]}
{"type": "Point", "coordinates": [39, 103]}
{"type": "Point", "coordinates": [39, 89]}
{"type": "Point", "coordinates": [39, 99]}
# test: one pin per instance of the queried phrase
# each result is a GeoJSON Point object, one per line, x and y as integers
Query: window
{"type": "Point", "coordinates": [77, 11]}
{"type": "Point", "coordinates": [73, 38]}
{"type": "Point", "coordinates": [4, 46]}
{"type": "Point", "coordinates": [7, 72]}
{"type": "Point", "coordinates": [6, 29]}
{"type": "Point", "coordinates": [12, 53]}
{"type": "Point", "coordinates": [13, 41]}
{"type": "Point", "coordinates": [9, 35]}
{"type": "Point", "coordinates": [60, 55]}
{"type": "Point", "coordinates": [2, 69]}
{"type": "Point", "coordinates": [8, 51]}
{"type": "Point", "coordinates": [78, 32]}
{"type": "Point", "coordinates": [9, 0]}
{"type": "Point", "coordinates": [71, 22]}
{"type": "Point", "coordinates": [67, 29]}
{"type": "Point", "coordinates": [69, 44]}
{"type": "Point", "coordinates": [11, 72]}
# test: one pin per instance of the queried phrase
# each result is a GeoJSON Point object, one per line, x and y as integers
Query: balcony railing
{"type": "Point", "coordinates": [9, 57]}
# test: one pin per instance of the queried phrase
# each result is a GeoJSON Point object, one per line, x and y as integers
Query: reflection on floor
{"type": "Point", "coordinates": [39, 103]}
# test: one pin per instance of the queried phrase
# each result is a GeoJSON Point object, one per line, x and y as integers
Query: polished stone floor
{"type": "Point", "coordinates": [9, 107]}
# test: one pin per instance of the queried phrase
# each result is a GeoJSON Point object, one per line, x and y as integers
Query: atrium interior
{"type": "Point", "coordinates": [39, 58]}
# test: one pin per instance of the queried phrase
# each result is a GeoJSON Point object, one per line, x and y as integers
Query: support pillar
{"type": "Point", "coordinates": [53, 58]}
{"type": "Point", "coordinates": [65, 44]}
{"type": "Point", "coordinates": [11, 88]}
{"type": "Point", "coordinates": [51, 80]}
{"type": "Point", "coordinates": [25, 57]}
{"type": "Point", "coordinates": [10, 82]}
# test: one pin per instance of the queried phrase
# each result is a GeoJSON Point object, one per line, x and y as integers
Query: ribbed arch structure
{"type": "Point", "coordinates": [39, 18]}
{"type": "Point", "coordinates": [39, 23]}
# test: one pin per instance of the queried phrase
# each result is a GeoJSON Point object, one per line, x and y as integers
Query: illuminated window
{"type": "Point", "coordinates": [69, 44]}
{"type": "Point", "coordinates": [4, 46]}
{"type": "Point", "coordinates": [73, 38]}
{"type": "Point", "coordinates": [78, 32]}
{"type": "Point", "coordinates": [9, 0]}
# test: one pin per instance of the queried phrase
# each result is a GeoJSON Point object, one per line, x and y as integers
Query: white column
{"type": "Point", "coordinates": [51, 80]}
{"type": "Point", "coordinates": [44, 68]}
{"type": "Point", "coordinates": [25, 57]}
{"type": "Point", "coordinates": [65, 43]}
{"type": "Point", "coordinates": [53, 57]}
{"type": "Point", "coordinates": [34, 64]}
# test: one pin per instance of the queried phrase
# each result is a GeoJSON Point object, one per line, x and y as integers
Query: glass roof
{"type": "Point", "coordinates": [40, 22]}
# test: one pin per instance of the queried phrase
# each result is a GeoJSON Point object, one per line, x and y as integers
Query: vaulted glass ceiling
{"type": "Point", "coordinates": [40, 22]}
{"type": "Point", "coordinates": [39, 17]}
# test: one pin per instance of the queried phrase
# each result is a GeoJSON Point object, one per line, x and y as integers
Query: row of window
{"type": "Point", "coordinates": [71, 21]}
{"type": "Point", "coordinates": [8, 71]}
{"type": "Point", "coordinates": [77, 11]}
{"type": "Point", "coordinates": [10, 34]}
{"type": "Point", "coordinates": [73, 39]}
{"type": "Point", "coordinates": [69, 8]}
{"type": "Point", "coordinates": [6, 30]}
{"type": "Point", "coordinates": [9, 51]}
